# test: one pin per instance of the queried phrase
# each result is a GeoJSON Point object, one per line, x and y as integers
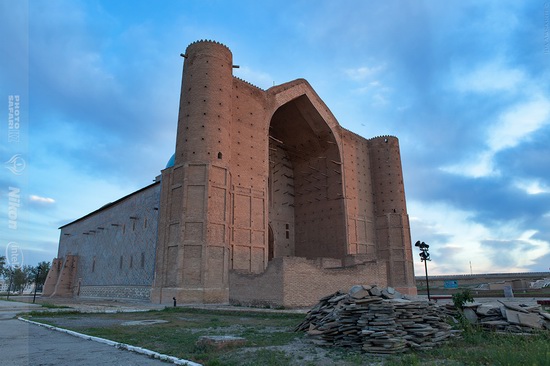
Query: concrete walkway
{"type": "Point", "coordinates": [24, 344]}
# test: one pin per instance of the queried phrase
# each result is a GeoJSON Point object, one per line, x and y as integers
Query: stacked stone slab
{"type": "Point", "coordinates": [376, 321]}
{"type": "Point", "coordinates": [507, 317]}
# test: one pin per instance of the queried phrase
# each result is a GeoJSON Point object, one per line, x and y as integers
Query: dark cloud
{"type": "Point", "coordinates": [530, 159]}
{"type": "Point", "coordinates": [542, 264]}
{"type": "Point", "coordinates": [491, 199]}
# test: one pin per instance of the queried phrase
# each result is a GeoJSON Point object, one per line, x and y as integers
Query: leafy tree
{"type": "Point", "coordinates": [8, 277]}
{"type": "Point", "coordinates": [19, 277]}
{"type": "Point", "coordinates": [2, 265]}
{"type": "Point", "coordinates": [39, 273]}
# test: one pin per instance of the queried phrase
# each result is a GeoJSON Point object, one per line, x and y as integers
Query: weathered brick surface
{"type": "Point", "coordinates": [300, 282]}
{"type": "Point", "coordinates": [116, 292]}
{"type": "Point", "coordinates": [115, 246]}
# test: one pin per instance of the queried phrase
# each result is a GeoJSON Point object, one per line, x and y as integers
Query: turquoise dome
{"type": "Point", "coordinates": [171, 162]}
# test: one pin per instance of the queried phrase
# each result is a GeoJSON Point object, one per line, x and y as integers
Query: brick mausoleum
{"type": "Point", "coordinates": [267, 201]}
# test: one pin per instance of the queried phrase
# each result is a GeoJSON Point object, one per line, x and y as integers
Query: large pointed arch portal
{"type": "Point", "coordinates": [306, 203]}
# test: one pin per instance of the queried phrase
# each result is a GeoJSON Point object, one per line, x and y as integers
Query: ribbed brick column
{"type": "Point", "coordinates": [392, 221]}
{"type": "Point", "coordinates": [193, 247]}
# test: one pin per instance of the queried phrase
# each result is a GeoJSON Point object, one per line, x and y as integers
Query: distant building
{"type": "Point", "coordinates": [4, 284]}
{"type": "Point", "coordinates": [488, 281]}
{"type": "Point", "coordinates": [267, 200]}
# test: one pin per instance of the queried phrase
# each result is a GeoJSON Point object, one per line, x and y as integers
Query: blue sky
{"type": "Point", "coordinates": [463, 84]}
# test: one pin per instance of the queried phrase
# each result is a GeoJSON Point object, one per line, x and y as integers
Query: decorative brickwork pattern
{"type": "Point", "coordinates": [115, 245]}
{"type": "Point", "coordinates": [116, 292]}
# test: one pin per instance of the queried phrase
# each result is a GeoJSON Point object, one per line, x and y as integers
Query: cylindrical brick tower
{"type": "Point", "coordinates": [192, 260]}
{"type": "Point", "coordinates": [392, 221]}
{"type": "Point", "coordinates": [388, 188]}
{"type": "Point", "coordinates": [204, 122]}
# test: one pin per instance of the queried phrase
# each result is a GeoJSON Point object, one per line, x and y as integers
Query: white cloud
{"type": "Point", "coordinates": [518, 122]}
{"type": "Point", "coordinates": [377, 91]}
{"type": "Point", "coordinates": [364, 72]}
{"type": "Point", "coordinates": [476, 167]}
{"type": "Point", "coordinates": [524, 251]}
{"type": "Point", "coordinates": [379, 99]}
{"type": "Point", "coordinates": [41, 200]}
{"type": "Point", "coordinates": [258, 78]}
{"type": "Point", "coordinates": [452, 235]}
{"type": "Point", "coordinates": [514, 126]}
{"type": "Point", "coordinates": [532, 186]}
{"type": "Point", "coordinates": [493, 76]}
{"type": "Point", "coordinates": [455, 240]}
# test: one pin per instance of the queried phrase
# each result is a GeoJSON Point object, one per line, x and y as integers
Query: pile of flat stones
{"type": "Point", "coordinates": [376, 320]}
{"type": "Point", "coordinates": [503, 316]}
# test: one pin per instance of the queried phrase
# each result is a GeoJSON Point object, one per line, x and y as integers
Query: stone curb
{"type": "Point", "coordinates": [143, 351]}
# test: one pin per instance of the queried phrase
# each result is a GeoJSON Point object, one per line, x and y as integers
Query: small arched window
{"type": "Point", "coordinates": [219, 155]}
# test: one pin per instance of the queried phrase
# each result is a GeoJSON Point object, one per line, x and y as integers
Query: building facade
{"type": "Point", "coordinates": [268, 200]}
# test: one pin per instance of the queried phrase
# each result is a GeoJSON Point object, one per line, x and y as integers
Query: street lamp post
{"type": "Point", "coordinates": [424, 257]}
{"type": "Point", "coordinates": [36, 284]}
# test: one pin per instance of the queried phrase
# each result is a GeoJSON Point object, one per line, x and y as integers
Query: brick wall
{"type": "Point", "coordinates": [115, 245]}
{"type": "Point", "coordinates": [116, 292]}
{"type": "Point", "coordinates": [299, 282]}
{"type": "Point", "coordinates": [359, 195]}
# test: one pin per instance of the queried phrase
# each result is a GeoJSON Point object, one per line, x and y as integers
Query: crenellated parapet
{"type": "Point", "coordinates": [382, 137]}
{"type": "Point", "coordinates": [203, 41]}
{"type": "Point", "coordinates": [248, 83]}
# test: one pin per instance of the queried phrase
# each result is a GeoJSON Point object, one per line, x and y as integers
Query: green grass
{"type": "Point", "coordinates": [178, 337]}
{"type": "Point", "coordinates": [265, 332]}
{"type": "Point", "coordinates": [48, 305]}
{"type": "Point", "coordinates": [47, 314]}
{"type": "Point", "coordinates": [484, 348]}
{"type": "Point", "coordinates": [261, 358]}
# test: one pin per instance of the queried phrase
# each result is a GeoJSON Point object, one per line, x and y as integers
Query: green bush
{"type": "Point", "coordinates": [461, 298]}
